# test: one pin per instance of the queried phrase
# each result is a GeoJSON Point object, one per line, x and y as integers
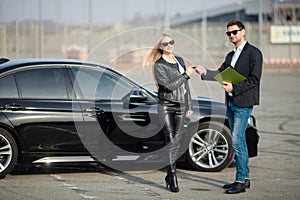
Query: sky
{"type": "Point", "coordinates": [105, 12]}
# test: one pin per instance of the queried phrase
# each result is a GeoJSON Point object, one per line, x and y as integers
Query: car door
{"type": "Point", "coordinates": [40, 107]}
{"type": "Point", "coordinates": [113, 123]}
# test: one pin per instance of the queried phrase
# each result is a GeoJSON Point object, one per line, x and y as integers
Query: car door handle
{"type": "Point", "coordinates": [13, 107]}
{"type": "Point", "coordinates": [130, 117]}
{"type": "Point", "coordinates": [95, 109]}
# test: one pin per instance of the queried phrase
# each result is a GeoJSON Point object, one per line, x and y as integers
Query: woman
{"type": "Point", "coordinates": [174, 98]}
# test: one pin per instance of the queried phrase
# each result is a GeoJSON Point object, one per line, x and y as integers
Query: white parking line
{"type": "Point", "coordinates": [83, 193]}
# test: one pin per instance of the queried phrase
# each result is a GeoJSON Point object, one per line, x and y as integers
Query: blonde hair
{"type": "Point", "coordinates": [155, 52]}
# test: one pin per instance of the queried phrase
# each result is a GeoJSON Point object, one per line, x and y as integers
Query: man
{"type": "Point", "coordinates": [240, 98]}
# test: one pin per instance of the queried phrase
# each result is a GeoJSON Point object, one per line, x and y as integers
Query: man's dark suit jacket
{"type": "Point", "coordinates": [249, 64]}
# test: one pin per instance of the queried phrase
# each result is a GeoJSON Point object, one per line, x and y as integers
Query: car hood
{"type": "Point", "coordinates": [207, 101]}
{"type": "Point", "coordinates": [207, 107]}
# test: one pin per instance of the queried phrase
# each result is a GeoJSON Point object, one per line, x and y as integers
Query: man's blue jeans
{"type": "Point", "coordinates": [238, 121]}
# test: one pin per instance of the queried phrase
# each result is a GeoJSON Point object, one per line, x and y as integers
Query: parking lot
{"type": "Point", "coordinates": [275, 172]}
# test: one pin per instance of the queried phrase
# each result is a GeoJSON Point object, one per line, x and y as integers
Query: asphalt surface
{"type": "Point", "coordinates": [275, 173]}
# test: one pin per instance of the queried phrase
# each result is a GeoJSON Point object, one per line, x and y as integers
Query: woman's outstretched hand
{"type": "Point", "coordinates": [190, 70]}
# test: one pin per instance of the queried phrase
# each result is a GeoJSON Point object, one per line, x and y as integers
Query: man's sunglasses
{"type": "Point", "coordinates": [228, 33]}
{"type": "Point", "coordinates": [168, 43]}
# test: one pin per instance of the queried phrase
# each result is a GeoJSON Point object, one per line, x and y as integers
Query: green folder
{"type": "Point", "coordinates": [229, 75]}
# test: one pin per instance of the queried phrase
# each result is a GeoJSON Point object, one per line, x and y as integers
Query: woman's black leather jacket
{"type": "Point", "coordinates": [173, 86]}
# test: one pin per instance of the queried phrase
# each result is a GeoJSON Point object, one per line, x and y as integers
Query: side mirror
{"type": "Point", "coordinates": [137, 97]}
{"type": "Point", "coordinates": [133, 97]}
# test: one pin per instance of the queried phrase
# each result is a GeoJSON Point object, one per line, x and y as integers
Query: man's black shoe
{"type": "Point", "coordinates": [237, 187]}
{"type": "Point", "coordinates": [247, 184]}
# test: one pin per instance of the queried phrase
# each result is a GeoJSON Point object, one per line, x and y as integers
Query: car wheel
{"type": "Point", "coordinates": [210, 148]}
{"type": "Point", "coordinates": [8, 153]}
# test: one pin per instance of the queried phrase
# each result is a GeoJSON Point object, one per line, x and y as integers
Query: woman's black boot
{"type": "Point", "coordinates": [171, 180]}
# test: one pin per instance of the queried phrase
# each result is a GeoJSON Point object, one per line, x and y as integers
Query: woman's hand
{"type": "Point", "coordinates": [188, 113]}
{"type": "Point", "coordinates": [190, 70]}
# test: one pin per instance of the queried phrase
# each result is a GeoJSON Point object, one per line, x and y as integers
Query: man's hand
{"type": "Point", "coordinates": [227, 86]}
{"type": "Point", "coordinates": [200, 69]}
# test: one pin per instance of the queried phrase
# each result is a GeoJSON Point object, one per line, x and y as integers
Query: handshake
{"type": "Point", "coordinates": [195, 68]}
{"type": "Point", "coordinates": [227, 86]}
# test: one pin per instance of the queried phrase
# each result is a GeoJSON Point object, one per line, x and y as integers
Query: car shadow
{"type": "Point", "coordinates": [63, 168]}
{"type": "Point", "coordinates": [184, 165]}
{"type": "Point", "coordinates": [57, 168]}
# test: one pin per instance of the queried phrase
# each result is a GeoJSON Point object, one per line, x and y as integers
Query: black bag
{"type": "Point", "coordinates": [252, 139]}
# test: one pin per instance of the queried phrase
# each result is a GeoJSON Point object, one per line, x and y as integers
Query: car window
{"type": "Point", "coordinates": [8, 88]}
{"type": "Point", "coordinates": [45, 83]}
{"type": "Point", "coordinates": [100, 84]}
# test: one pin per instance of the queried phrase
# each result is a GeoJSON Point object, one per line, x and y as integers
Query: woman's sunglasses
{"type": "Point", "coordinates": [228, 33]}
{"type": "Point", "coordinates": [168, 43]}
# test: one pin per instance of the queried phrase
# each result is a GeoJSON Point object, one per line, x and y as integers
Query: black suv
{"type": "Point", "coordinates": [59, 110]}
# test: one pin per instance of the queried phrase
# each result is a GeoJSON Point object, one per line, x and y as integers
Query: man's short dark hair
{"type": "Point", "coordinates": [236, 22]}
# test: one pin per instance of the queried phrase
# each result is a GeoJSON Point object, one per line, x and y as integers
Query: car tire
{"type": "Point", "coordinates": [8, 153]}
{"type": "Point", "coordinates": [210, 148]}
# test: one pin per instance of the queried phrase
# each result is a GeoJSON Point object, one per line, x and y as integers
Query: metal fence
{"type": "Point", "coordinates": [123, 46]}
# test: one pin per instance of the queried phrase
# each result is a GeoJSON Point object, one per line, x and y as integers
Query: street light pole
{"type": "Point", "coordinates": [275, 12]}
{"type": "Point", "coordinates": [41, 31]}
{"type": "Point", "coordinates": [91, 29]}
{"type": "Point", "coordinates": [260, 23]}
{"type": "Point", "coordinates": [204, 28]}
{"type": "Point", "coordinates": [167, 18]}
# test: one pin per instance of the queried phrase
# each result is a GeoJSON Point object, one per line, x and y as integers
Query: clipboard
{"type": "Point", "coordinates": [230, 75]}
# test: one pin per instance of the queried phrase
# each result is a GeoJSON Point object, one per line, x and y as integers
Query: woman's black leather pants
{"type": "Point", "coordinates": [173, 115]}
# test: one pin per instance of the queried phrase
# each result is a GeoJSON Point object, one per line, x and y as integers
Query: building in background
{"type": "Point", "coordinates": [272, 25]}
{"type": "Point", "coordinates": [278, 35]}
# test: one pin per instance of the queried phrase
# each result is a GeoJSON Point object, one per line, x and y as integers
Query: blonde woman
{"type": "Point", "coordinates": [171, 77]}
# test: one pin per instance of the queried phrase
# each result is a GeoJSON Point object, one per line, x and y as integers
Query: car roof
{"type": "Point", "coordinates": [6, 64]}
